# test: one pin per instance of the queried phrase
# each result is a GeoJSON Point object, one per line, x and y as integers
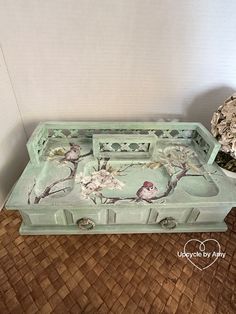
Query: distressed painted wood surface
{"type": "Point", "coordinates": [122, 177]}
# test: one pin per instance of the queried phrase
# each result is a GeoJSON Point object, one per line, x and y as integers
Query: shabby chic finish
{"type": "Point", "coordinates": [122, 177]}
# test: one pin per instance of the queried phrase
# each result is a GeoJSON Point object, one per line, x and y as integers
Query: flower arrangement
{"type": "Point", "coordinates": [223, 128]}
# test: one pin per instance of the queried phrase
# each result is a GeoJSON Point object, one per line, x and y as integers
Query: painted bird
{"type": "Point", "coordinates": [147, 192]}
{"type": "Point", "coordinates": [72, 154]}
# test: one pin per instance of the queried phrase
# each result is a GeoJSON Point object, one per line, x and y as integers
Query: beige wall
{"type": "Point", "coordinates": [117, 59]}
{"type": "Point", "coordinates": [12, 135]}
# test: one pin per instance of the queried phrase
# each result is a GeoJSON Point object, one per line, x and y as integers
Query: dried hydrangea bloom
{"type": "Point", "coordinates": [223, 125]}
{"type": "Point", "coordinates": [234, 144]}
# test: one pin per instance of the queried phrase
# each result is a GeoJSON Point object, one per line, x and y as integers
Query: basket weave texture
{"type": "Point", "coordinates": [112, 273]}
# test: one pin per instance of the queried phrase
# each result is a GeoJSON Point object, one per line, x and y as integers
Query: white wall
{"type": "Point", "coordinates": [125, 59]}
{"type": "Point", "coordinates": [12, 135]}
{"type": "Point", "coordinates": [118, 59]}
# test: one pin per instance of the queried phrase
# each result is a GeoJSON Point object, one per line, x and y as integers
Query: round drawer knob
{"type": "Point", "coordinates": [168, 223]}
{"type": "Point", "coordinates": [85, 224]}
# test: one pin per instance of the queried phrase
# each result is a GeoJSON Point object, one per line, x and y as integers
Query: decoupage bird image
{"type": "Point", "coordinates": [72, 154]}
{"type": "Point", "coordinates": [147, 192]}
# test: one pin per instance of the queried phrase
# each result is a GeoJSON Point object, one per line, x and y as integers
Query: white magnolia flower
{"type": "Point", "coordinates": [82, 179]}
{"type": "Point", "coordinates": [175, 156]}
{"type": "Point", "coordinates": [93, 185]}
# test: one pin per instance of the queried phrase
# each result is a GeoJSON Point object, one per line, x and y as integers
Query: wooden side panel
{"type": "Point", "coordinates": [128, 216]}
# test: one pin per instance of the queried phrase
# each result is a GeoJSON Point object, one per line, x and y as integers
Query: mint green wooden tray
{"type": "Point", "coordinates": [122, 177]}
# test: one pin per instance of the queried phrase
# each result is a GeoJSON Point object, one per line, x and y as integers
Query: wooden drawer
{"type": "Point", "coordinates": [180, 215]}
{"type": "Point", "coordinates": [211, 214]}
{"type": "Point", "coordinates": [44, 218]}
{"type": "Point", "coordinates": [99, 216]}
{"type": "Point", "coordinates": [128, 216]}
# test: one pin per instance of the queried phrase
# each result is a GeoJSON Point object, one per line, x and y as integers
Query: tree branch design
{"type": "Point", "coordinates": [178, 161]}
{"type": "Point", "coordinates": [47, 191]}
{"type": "Point", "coordinates": [171, 185]}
